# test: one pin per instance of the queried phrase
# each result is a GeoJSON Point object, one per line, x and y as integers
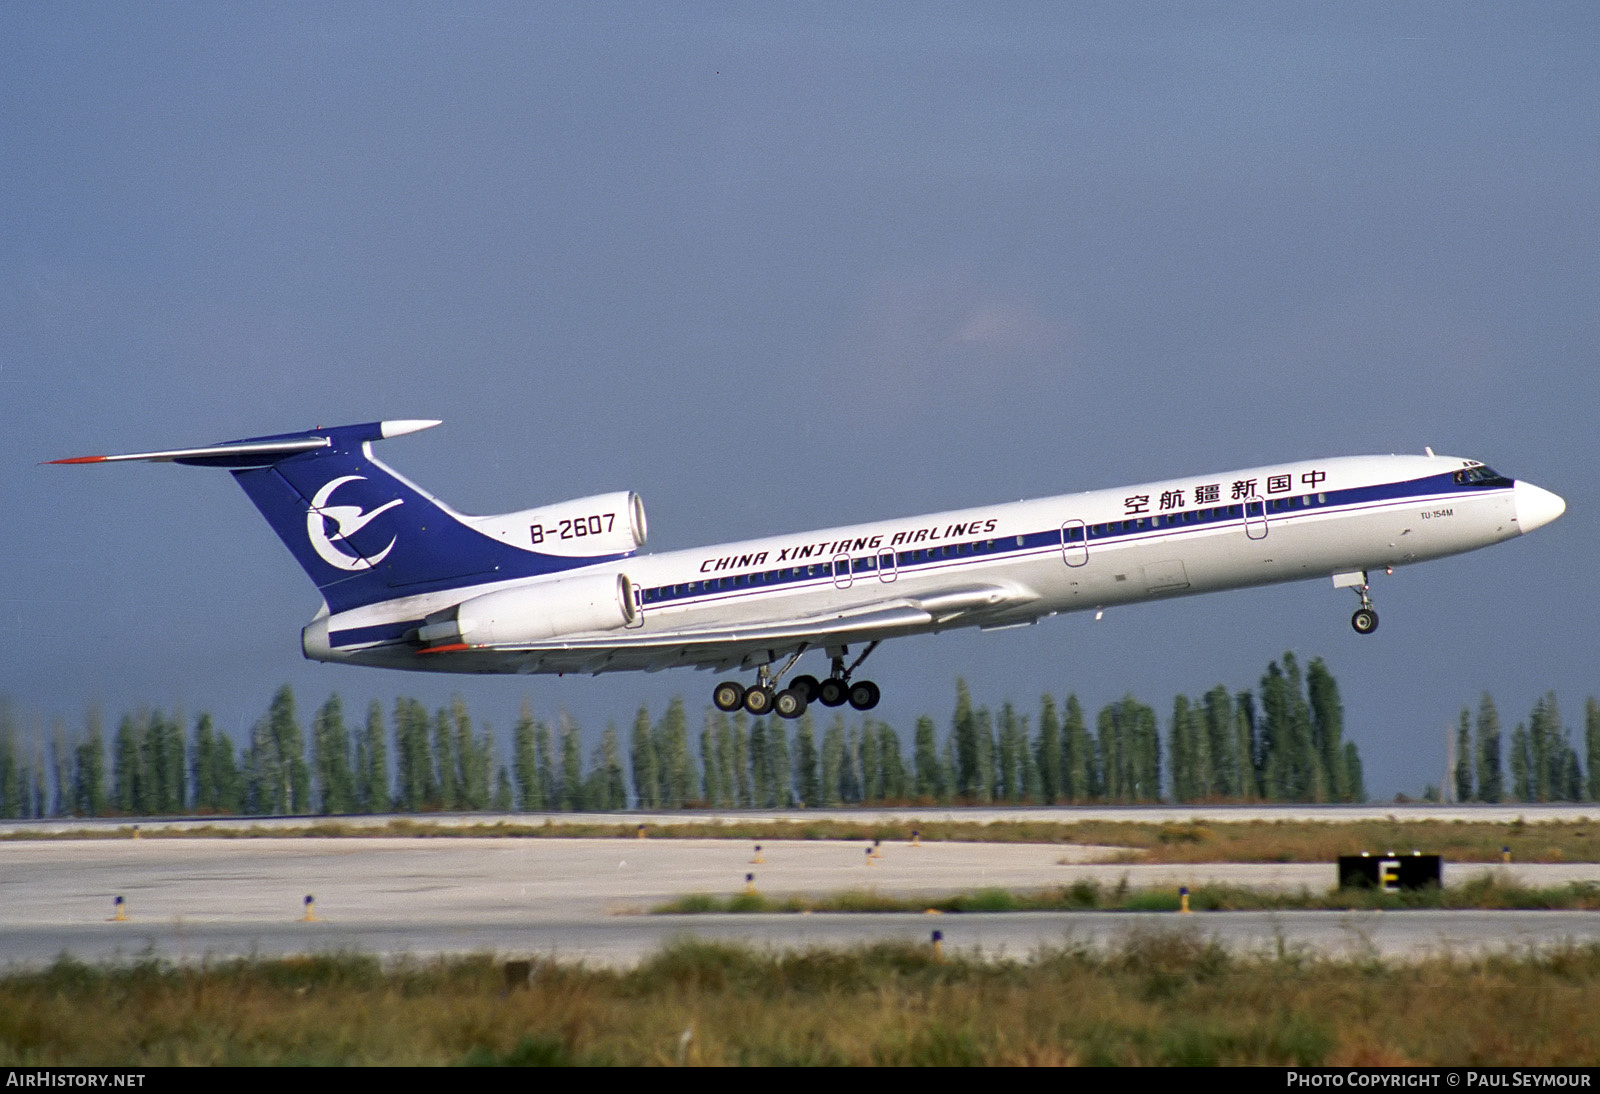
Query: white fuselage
{"type": "Point", "coordinates": [992, 566]}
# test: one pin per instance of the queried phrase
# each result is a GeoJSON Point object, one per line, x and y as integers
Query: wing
{"type": "Point", "coordinates": [746, 645]}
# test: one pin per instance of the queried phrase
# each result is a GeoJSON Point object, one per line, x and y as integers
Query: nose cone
{"type": "Point", "coordinates": [1536, 507]}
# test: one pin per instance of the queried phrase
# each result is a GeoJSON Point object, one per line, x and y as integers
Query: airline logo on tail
{"type": "Point", "coordinates": [348, 519]}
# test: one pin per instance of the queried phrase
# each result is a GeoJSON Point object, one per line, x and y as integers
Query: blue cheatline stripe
{"type": "Point", "coordinates": [920, 560]}
{"type": "Point", "coordinates": [380, 632]}
{"type": "Point", "coordinates": [1099, 533]}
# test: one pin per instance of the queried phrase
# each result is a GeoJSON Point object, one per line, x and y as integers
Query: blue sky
{"type": "Point", "coordinates": [784, 268]}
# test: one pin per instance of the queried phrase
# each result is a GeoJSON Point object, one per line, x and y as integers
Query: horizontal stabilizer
{"type": "Point", "coordinates": [263, 451]}
{"type": "Point", "coordinates": [365, 534]}
{"type": "Point", "coordinates": [240, 454]}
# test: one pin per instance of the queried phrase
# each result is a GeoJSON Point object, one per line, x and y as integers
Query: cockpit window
{"type": "Point", "coordinates": [1481, 476]}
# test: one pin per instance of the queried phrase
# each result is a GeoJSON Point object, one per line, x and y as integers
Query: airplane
{"type": "Point", "coordinates": [409, 583]}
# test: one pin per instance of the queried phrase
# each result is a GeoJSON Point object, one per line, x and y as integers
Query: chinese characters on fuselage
{"type": "Point", "coordinates": [1210, 493]}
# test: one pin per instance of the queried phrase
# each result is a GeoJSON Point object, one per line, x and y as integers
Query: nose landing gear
{"type": "Point", "coordinates": [1365, 621]}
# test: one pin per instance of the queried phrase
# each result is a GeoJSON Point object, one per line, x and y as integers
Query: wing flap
{"type": "Point", "coordinates": [726, 646]}
{"type": "Point", "coordinates": [710, 646]}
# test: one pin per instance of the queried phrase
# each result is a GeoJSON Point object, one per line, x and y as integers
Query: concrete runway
{"type": "Point", "coordinates": [189, 899]}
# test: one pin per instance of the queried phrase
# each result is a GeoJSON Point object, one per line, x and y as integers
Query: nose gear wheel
{"type": "Point", "coordinates": [1365, 621]}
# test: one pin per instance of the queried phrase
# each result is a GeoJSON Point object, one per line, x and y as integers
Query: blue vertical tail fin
{"type": "Point", "coordinates": [362, 532]}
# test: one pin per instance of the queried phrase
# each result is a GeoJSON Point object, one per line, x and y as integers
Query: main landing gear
{"type": "Point", "coordinates": [765, 698]}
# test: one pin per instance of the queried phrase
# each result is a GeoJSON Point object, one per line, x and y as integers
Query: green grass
{"type": "Point", "coordinates": [1159, 996]}
{"type": "Point", "coordinates": [1483, 892]}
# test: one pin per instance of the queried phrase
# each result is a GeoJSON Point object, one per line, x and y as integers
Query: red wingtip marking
{"type": "Point", "coordinates": [80, 459]}
{"type": "Point", "coordinates": [446, 649]}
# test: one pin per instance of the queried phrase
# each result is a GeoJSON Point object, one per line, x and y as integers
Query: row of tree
{"type": "Point", "coordinates": [1541, 761]}
{"type": "Point", "coordinates": [1283, 741]}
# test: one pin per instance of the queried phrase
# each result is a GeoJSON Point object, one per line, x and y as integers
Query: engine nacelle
{"type": "Point", "coordinates": [535, 613]}
{"type": "Point", "coordinates": [596, 527]}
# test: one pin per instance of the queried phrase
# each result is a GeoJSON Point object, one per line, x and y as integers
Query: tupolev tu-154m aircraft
{"type": "Point", "coordinates": [409, 583]}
